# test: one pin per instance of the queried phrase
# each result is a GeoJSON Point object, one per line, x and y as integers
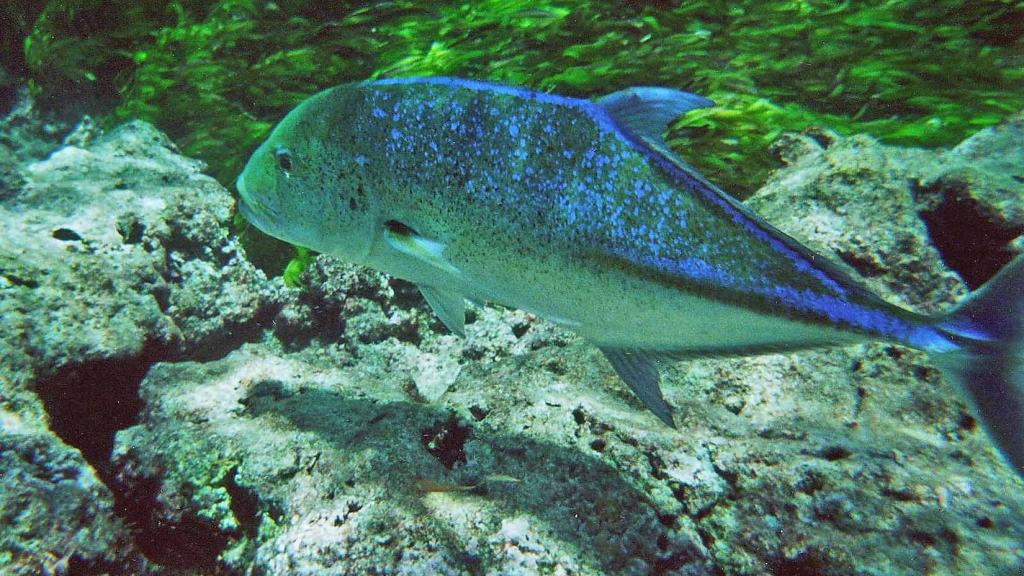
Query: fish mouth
{"type": "Point", "coordinates": [253, 211]}
{"type": "Point", "coordinates": [246, 211]}
{"type": "Point", "coordinates": [240, 184]}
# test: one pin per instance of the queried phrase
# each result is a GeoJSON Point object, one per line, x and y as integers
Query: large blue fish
{"type": "Point", "coordinates": [577, 211]}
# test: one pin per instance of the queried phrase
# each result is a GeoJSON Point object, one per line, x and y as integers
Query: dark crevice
{"type": "Point", "coordinates": [165, 536]}
{"type": "Point", "coordinates": [833, 453]}
{"type": "Point", "coordinates": [244, 505]}
{"type": "Point", "coordinates": [19, 281]}
{"type": "Point", "coordinates": [579, 415]}
{"type": "Point", "coordinates": [445, 440]}
{"type": "Point", "coordinates": [131, 231]}
{"type": "Point", "coordinates": [406, 295]}
{"type": "Point", "coordinates": [234, 336]}
{"type": "Point", "coordinates": [705, 537]}
{"type": "Point", "coordinates": [972, 242]}
{"type": "Point", "coordinates": [675, 561]}
{"type": "Point", "coordinates": [89, 402]}
{"type": "Point", "coordinates": [478, 413]}
{"type": "Point", "coordinates": [656, 463]}
{"type": "Point", "coordinates": [862, 263]}
{"type": "Point", "coordinates": [66, 235]}
{"type": "Point", "coordinates": [804, 564]}
{"type": "Point", "coordinates": [824, 138]}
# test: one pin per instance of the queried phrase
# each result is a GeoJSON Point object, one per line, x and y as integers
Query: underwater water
{"type": "Point", "coordinates": [510, 324]}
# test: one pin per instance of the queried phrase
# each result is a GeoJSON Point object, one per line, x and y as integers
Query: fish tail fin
{"type": "Point", "coordinates": [988, 362]}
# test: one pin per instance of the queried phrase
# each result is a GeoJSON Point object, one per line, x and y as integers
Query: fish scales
{"type": "Point", "coordinates": [531, 175]}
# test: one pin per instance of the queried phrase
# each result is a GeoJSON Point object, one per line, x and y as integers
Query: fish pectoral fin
{"type": "Point", "coordinates": [648, 110]}
{"type": "Point", "coordinates": [449, 307]}
{"type": "Point", "coordinates": [638, 369]}
{"type": "Point", "coordinates": [409, 242]}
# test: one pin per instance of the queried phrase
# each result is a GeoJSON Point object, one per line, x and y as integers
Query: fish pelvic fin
{"type": "Point", "coordinates": [640, 372]}
{"type": "Point", "coordinates": [450, 307]}
{"type": "Point", "coordinates": [988, 326]}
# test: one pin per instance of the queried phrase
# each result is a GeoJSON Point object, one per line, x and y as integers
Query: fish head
{"type": "Point", "coordinates": [297, 186]}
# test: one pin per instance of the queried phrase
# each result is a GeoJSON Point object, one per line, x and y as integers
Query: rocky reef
{"type": "Point", "coordinates": [166, 408]}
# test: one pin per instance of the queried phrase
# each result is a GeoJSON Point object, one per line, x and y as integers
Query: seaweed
{"type": "Point", "coordinates": [216, 75]}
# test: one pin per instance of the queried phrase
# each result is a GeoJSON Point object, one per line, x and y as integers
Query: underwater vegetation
{"type": "Point", "coordinates": [217, 75]}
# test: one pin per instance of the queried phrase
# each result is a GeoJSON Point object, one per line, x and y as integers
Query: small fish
{"type": "Point", "coordinates": [426, 485]}
{"type": "Point", "coordinates": [576, 211]}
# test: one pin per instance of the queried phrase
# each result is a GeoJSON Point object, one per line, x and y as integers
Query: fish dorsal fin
{"type": "Point", "coordinates": [639, 371]}
{"type": "Point", "coordinates": [449, 307]}
{"type": "Point", "coordinates": [647, 110]}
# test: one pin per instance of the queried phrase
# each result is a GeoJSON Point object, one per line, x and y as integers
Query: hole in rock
{"type": "Point", "coordinates": [66, 235]}
{"type": "Point", "coordinates": [131, 231]}
{"type": "Point", "coordinates": [164, 535]}
{"type": "Point", "coordinates": [445, 441]}
{"type": "Point", "coordinates": [969, 241]}
{"type": "Point", "coordinates": [89, 402]}
{"type": "Point", "coordinates": [804, 564]}
{"type": "Point", "coordinates": [833, 453]}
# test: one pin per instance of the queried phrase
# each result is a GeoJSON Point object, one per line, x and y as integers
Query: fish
{"type": "Point", "coordinates": [577, 211]}
{"type": "Point", "coordinates": [427, 485]}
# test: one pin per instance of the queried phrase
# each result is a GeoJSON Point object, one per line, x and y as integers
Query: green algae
{"type": "Point", "coordinates": [217, 75]}
{"type": "Point", "coordinates": [293, 271]}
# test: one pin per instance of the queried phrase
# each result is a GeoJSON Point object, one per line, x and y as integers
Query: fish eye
{"type": "Point", "coordinates": [284, 158]}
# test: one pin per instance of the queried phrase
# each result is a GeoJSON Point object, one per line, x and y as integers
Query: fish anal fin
{"type": "Point", "coordinates": [450, 307]}
{"type": "Point", "coordinates": [639, 371]}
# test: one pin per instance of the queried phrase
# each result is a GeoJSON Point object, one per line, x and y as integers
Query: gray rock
{"type": "Point", "coordinates": [114, 255]}
{"type": "Point", "coordinates": [972, 204]}
{"type": "Point", "coordinates": [58, 517]}
{"type": "Point", "coordinates": [123, 246]}
{"type": "Point", "coordinates": [855, 201]}
{"type": "Point", "coordinates": [381, 440]}
{"type": "Point", "coordinates": [353, 433]}
{"type": "Point", "coordinates": [355, 477]}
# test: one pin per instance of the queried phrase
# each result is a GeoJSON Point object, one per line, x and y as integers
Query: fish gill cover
{"type": "Point", "coordinates": [217, 75]}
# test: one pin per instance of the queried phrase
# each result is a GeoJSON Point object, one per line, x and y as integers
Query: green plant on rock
{"type": "Point", "coordinates": [293, 271]}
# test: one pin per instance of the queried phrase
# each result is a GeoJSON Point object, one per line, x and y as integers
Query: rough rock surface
{"type": "Point", "coordinates": [115, 254]}
{"type": "Point", "coordinates": [973, 206]}
{"type": "Point", "coordinates": [388, 444]}
{"type": "Point", "coordinates": [352, 434]}
{"type": "Point", "coordinates": [57, 517]}
{"type": "Point", "coordinates": [853, 200]}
